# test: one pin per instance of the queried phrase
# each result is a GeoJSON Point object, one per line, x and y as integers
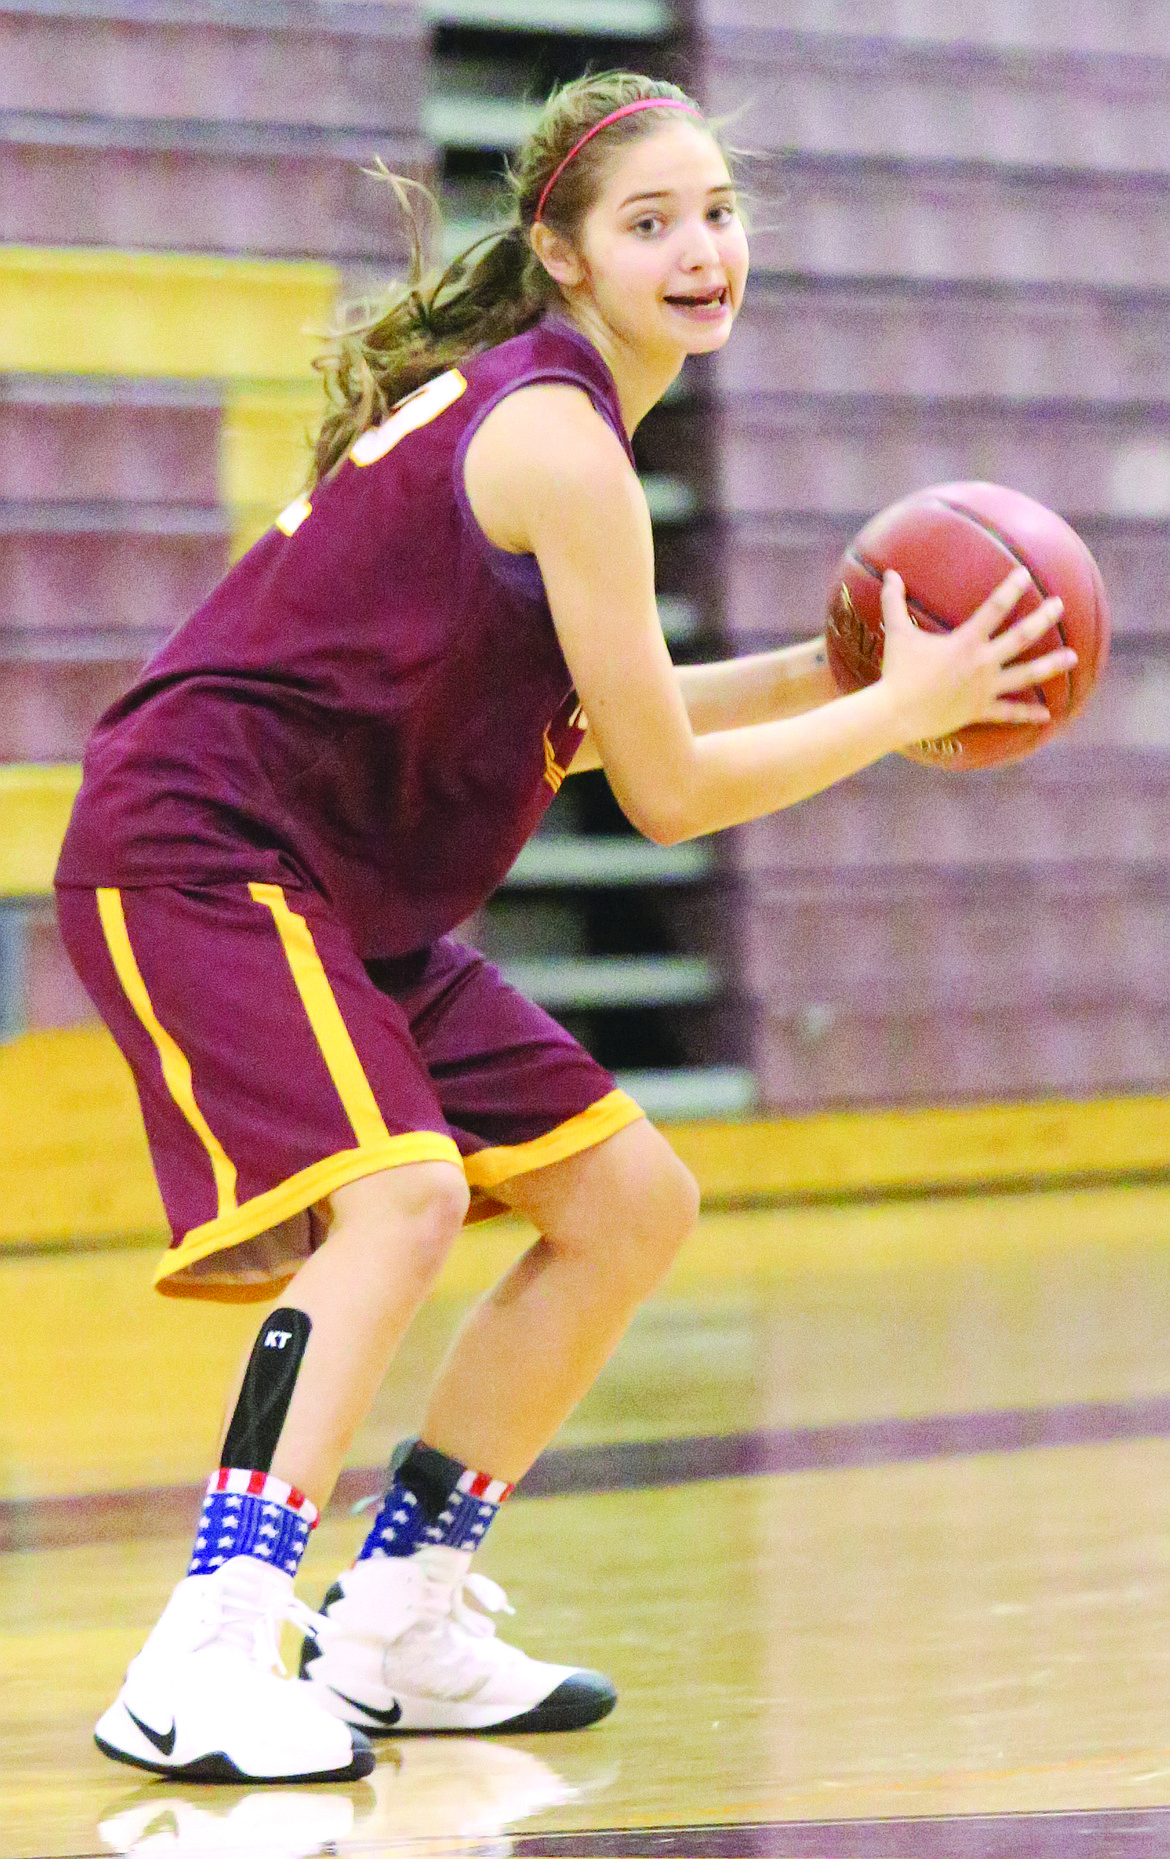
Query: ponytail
{"type": "Point", "coordinates": [495, 289]}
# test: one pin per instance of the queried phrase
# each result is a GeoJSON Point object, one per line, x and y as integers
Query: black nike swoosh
{"type": "Point", "coordinates": [164, 1741]}
{"type": "Point", "coordinates": [388, 1718]}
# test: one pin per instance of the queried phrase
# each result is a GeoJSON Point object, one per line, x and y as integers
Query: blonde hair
{"type": "Point", "coordinates": [497, 287]}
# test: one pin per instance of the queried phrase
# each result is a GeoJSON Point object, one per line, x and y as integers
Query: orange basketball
{"type": "Point", "coordinates": [952, 545]}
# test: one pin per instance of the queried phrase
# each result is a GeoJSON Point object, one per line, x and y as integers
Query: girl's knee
{"type": "Point", "coordinates": [655, 1213]}
{"type": "Point", "coordinates": [446, 1196]}
{"type": "Point", "coordinates": [628, 1204]}
{"type": "Point", "coordinates": [412, 1214]}
{"type": "Point", "coordinates": [674, 1198]}
{"type": "Point", "coordinates": [440, 1217]}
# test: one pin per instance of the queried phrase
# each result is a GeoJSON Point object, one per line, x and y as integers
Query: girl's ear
{"type": "Point", "coordinates": [557, 256]}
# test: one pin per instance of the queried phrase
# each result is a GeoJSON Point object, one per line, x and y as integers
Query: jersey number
{"type": "Point", "coordinates": [418, 409]}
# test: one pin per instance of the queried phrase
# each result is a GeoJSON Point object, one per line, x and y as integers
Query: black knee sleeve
{"type": "Point", "coordinates": [269, 1380]}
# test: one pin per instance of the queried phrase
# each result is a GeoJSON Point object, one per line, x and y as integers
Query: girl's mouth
{"type": "Point", "coordinates": [706, 306]}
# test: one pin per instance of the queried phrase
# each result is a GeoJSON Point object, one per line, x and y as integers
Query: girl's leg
{"type": "Point", "coordinates": [387, 1240]}
{"type": "Point", "coordinates": [389, 1237]}
{"type": "Point", "coordinates": [201, 1699]}
{"type": "Point", "coordinates": [611, 1221]}
{"type": "Point", "coordinates": [402, 1651]}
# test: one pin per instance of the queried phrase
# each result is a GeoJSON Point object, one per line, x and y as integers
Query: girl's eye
{"type": "Point", "coordinates": [723, 214]}
{"type": "Point", "coordinates": [648, 224]}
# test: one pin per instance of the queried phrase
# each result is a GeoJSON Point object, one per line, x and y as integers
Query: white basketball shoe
{"type": "Point", "coordinates": [403, 1651]}
{"type": "Point", "coordinates": [207, 1697]}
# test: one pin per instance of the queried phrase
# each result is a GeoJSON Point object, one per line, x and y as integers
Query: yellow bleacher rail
{"type": "Point", "coordinates": [74, 310]}
{"type": "Point", "coordinates": [253, 325]}
{"type": "Point", "coordinates": [74, 1162]}
{"type": "Point", "coordinates": [72, 1147]}
{"type": "Point", "coordinates": [34, 811]}
{"type": "Point", "coordinates": [264, 452]}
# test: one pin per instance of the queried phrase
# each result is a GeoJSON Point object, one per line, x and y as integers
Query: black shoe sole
{"type": "Point", "coordinates": [577, 1702]}
{"type": "Point", "coordinates": [220, 1768]}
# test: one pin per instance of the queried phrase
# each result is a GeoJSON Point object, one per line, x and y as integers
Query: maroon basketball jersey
{"type": "Point", "coordinates": [373, 702]}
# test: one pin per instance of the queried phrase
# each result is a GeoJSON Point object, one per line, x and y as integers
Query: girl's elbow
{"type": "Point", "coordinates": [664, 821]}
{"type": "Point", "coordinates": [667, 809]}
{"type": "Point", "coordinates": [665, 832]}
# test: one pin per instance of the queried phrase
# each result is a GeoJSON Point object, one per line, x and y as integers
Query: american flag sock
{"type": "Point", "coordinates": [251, 1514]}
{"type": "Point", "coordinates": [432, 1501]}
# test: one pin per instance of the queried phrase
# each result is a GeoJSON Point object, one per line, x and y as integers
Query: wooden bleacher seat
{"type": "Point", "coordinates": [1045, 884]}
{"type": "Point", "coordinates": [843, 216]}
{"type": "Point", "coordinates": [113, 529]}
{"type": "Point", "coordinates": [779, 571]}
{"type": "Point", "coordinates": [802, 335]}
{"type": "Point", "coordinates": [960, 271]}
{"type": "Point", "coordinates": [47, 709]}
{"type": "Point", "coordinates": [242, 132]}
{"type": "Point", "coordinates": [66, 440]}
{"type": "Point", "coordinates": [904, 95]}
{"type": "Point", "coordinates": [1082, 1017]}
{"type": "Point", "coordinates": [357, 66]}
{"type": "Point", "coordinates": [1128, 27]}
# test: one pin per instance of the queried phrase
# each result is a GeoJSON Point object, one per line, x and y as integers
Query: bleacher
{"type": "Point", "coordinates": [963, 224]}
{"type": "Point", "coordinates": [237, 126]}
{"type": "Point", "coordinates": [224, 211]}
{"type": "Point", "coordinates": [960, 239]}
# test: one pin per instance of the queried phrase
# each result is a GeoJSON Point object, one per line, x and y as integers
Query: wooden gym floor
{"type": "Point", "coordinates": [869, 1519]}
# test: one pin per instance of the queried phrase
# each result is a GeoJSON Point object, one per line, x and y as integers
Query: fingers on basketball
{"type": "Point", "coordinates": [988, 618]}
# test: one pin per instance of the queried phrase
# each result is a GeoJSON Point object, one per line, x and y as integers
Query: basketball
{"type": "Point", "coordinates": [953, 544]}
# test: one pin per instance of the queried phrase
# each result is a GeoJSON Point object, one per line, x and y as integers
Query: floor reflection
{"type": "Point", "coordinates": [877, 1555]}
{"type": "Point", "coordinates": [454, 1794]}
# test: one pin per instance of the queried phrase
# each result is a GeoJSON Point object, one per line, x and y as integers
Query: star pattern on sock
{"type": "Point", "coordinates": [402, 1525]}
{"type": "Point", "coordinates": [251, 1514]}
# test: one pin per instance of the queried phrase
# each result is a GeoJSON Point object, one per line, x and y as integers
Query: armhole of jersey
{"type": "Point", "coordinates": [519, 572]}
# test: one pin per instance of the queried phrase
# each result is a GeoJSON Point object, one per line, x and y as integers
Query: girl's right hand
{"type": "Point", "coordinates": [940, 682]}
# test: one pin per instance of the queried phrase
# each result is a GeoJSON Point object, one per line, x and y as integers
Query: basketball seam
{"type": "Point", "coordinates": [981, 522]}
{"type": "Point", "coordinates": [977, 522]}
{"type": "Point", "coordinates": [871, 568]}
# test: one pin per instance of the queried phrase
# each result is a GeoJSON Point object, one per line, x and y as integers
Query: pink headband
{"type": "Point", "coordinates": [627, 109]}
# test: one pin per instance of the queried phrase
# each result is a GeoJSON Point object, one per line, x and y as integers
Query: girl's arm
{"type": "Point", "coordinates": [545, 473]}
{"type": "Point", "coordinates": [759, 688]}
{"type": "Point", "coordinates": [755, 689]}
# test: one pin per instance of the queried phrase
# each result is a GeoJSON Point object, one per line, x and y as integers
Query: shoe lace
{"type": "Point", "coordinates": [491, 1598]}
{"type": "Point", "coordinates": [236, 1620]}
{"type": "Point", "coordinates": [452, 1644]}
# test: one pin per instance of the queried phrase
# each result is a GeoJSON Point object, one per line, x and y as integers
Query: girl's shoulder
{"type": "Point", "coordinates": [552, 351]}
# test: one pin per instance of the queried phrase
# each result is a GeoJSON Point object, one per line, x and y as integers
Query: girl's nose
{"type": "Point", "coordinates": [701, 247]}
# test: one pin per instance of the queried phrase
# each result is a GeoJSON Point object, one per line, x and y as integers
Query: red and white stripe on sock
{"type": "Point", "coordinates": [464, 1519]}
{"type": "Point", "coordinates": [402, 1525]}
{"type": "Point", "coordinates": [251, 1514]}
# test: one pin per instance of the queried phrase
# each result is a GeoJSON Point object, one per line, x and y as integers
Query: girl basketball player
{"type": "Point", "coordinates": [322, 773]}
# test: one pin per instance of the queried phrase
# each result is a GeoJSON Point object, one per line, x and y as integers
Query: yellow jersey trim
{"type": "Point", "coordinates": [290, 1197]}
{"type": "Point", "coordinates": [324, 1015]}
{"type": "Point", "coordinates": [554, 774]}
{"type": "Point", "coordinates": [293, 515]}
{"type": "Point", "coordinates": [416, 410]}
{"type": "Point", "coordinates": [176, 1069]}
{"type": "Point", "coordinates": [487, 1167]}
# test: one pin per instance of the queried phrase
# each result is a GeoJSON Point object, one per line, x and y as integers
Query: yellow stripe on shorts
{"type": "Point", "coordinates": [324, 1015]}
{"type": "Point", "coordinates": [176, 1070]}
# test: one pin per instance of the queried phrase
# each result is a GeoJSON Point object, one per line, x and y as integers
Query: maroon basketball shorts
{"type": "Point", "coordinates": [273, 1066]}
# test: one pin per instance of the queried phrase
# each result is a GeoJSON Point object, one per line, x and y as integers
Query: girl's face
{"type": "Point", "coordinates": [663, 250]}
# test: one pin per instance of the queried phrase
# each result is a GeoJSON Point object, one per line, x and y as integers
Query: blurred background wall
{"type": "Point", "coordinates": [961, 214]}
